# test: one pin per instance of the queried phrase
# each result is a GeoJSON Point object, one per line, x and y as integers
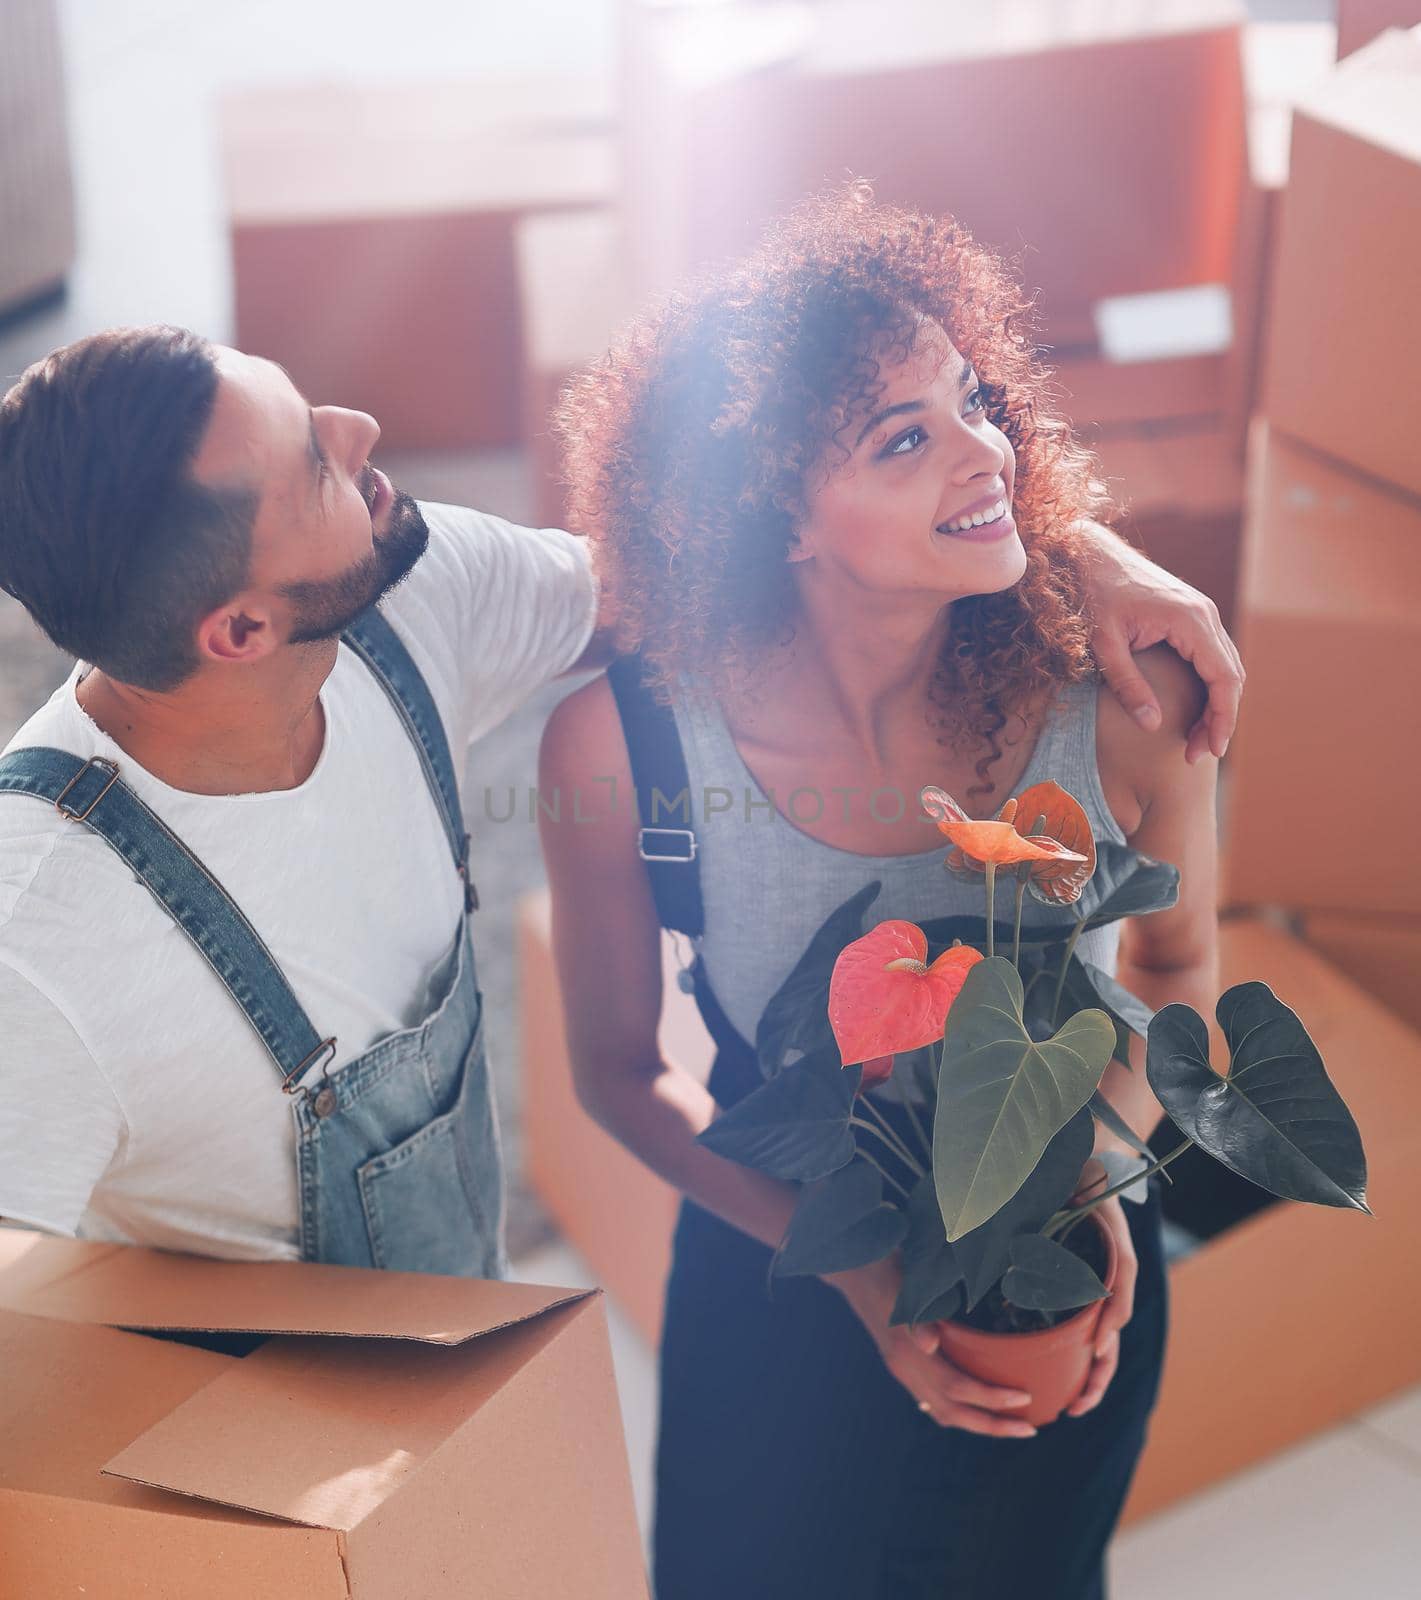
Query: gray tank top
{"type": "Point", "coordinates": [767, 885]}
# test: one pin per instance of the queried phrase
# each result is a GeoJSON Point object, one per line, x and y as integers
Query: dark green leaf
{"type": "Point", "coordinates": [797, 1016]}
{"type": "Point", "coordinates": [1126, 884]}
{"type": "Point", "coordinates": [1276, 1118]}
{"type": "Point", "coordinates": [796, 1126]}
{"type": "Point", "coordinates": [1045, 1276]}
{"type": "Point", "coordinates": [1127, 1009]}
{"type": "Point", "coordinates": [1080, 992]}
{"type": "Point", "coordinates": [1102, 1108]}
{"type": "Point", "coordinates": [1002, 1097]}
{"type": "Point", "coordinates": [931, 1271]}
{"type": "Point", "coordinates": [840, 1222]}
{"type": "Point", "coordinates": [943, 931]}
{"type": "Point", "coordinates": [985, 1253]}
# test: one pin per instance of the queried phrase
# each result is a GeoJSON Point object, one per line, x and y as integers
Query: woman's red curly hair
{"type": "Point", "coordinates": [686, 450]}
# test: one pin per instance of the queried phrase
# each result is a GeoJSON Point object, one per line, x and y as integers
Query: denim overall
{"type": "Point", "coordinates": [790, 1461]}
{"type": "Point", "coordinates": [398, 1156]}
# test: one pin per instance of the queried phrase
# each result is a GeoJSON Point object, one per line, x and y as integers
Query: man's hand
{"type": "Point", "coordinates": [1135, 604]}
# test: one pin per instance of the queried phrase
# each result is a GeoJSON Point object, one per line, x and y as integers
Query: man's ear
{"type": "Point", "coordinates": [240, 630]}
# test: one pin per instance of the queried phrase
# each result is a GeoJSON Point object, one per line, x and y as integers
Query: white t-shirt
{"type": "Point", "coordinates": [137, 1103]}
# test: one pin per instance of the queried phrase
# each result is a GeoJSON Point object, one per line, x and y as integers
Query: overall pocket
{"type": "Point", "coordinates": [434, 1203]}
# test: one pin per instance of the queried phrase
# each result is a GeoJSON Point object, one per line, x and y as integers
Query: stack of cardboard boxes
{"type": "Point", "coordinates": [373, 239]}
{"type": "Point", "coordinates": [1125, 157]}
{"type": "Point", "coordinates": [1326, 758]}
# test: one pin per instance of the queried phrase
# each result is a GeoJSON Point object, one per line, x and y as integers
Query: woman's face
{"type": "Point", "coordinates": [922, 505]}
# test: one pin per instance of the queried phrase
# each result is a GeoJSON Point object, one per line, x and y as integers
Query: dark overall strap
{"type": "Point", "coordinates": [663, 789]}
{"type": "Point", "coordinates": [91, 792]}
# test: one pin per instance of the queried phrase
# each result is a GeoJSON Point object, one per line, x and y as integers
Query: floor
{"type": "Point", "coordinates": [1338, 1517]}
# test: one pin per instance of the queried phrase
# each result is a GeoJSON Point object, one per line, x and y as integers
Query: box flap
{"type": "Point", "coordinates": [31, 1261]}
{"type": "Point", "coordinates": [323, 1433]}
{"type": "Point", "coordinates": [72, 1395]}
{"type": "Point", "coordinates": [152, 1289]}
{"type": "Point", "coordinates": [1375, 94]}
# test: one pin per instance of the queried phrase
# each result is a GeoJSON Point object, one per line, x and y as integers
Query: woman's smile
{"type": "Point", "coordinates": [981, 527]}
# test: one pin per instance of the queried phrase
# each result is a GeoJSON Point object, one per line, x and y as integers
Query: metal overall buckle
{"type": "Point", "coordinates": [323, 1101]}
{"type": "Point", "coordinates": [100, 764]}
{"type": "Point", "coordinates": [657, 850]}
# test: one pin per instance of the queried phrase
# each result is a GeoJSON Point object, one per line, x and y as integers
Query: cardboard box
{"type": "Point", "coordinates": [373, 239]}
{"type": "Point", "coordinates": [1302, 1316]}
{"type": "Point", "coordinates": [399, 1435]}
{"type": "Point", "coordinates": [1282, 62]}
{"type": "Point", "coordinates": [574, 294]}
{"type": "Point", "coordinates": [616, 1212]}
{"type": "Point", "coordinates": [1360, 21]}
{"type": "Point", "coordinates": [1380, 954]}
{"type": "Point", "coordinates": [1180, 493]}
{"type": "Point", "coordinates": [1343, 355]}
{"type": "Point", "coordinates": [1330, 629]}
{"type": "Point", "coordinates": [735, 112]}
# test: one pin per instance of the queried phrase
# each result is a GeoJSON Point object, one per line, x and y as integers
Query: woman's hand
{"type": "Point", "coordinates": [1136, 604]}
{"type": "Point", "coordinates": [951, 1397]}
{"type": "Point", "coordinates": [1120, 1307]}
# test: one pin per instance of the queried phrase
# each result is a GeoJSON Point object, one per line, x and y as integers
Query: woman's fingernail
{"type": "Point", "coordinates": [1147, 717]}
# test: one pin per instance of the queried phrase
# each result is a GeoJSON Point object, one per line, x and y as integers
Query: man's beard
{"type": "Point", "coordinates": [325, 608]}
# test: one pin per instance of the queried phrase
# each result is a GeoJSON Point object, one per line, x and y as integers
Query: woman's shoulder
{"type": "Point", "coordinates": [584, 731]}
{"type": "Point", "coordinates": [1135, 760]}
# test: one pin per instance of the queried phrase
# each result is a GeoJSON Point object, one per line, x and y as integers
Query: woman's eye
{"type": "Point", "coordinates": [976, 401]}
{"type": "Point", "coordinates": [906, 442]}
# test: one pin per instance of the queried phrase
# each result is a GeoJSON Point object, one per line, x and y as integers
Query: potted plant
{"type": "Point", "coordinates": [934, 1091]}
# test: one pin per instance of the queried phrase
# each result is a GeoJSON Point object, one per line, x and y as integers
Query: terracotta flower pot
{"type": "Point", "coordinates": [1052, 1365]}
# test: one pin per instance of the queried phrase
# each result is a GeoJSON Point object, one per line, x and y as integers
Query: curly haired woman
{"type": "Point", "coordinates": [847, 545]}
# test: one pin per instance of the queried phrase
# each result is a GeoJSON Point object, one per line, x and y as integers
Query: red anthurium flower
{"type": "Point", "coordinates": [883, 997]}
{"type": "Point", "coordinates": [877, 1071]}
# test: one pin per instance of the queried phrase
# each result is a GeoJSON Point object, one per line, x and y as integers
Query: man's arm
{"type": "Point", "coordinates": [1135, 604]}
{"type": "Point", "coordinates": [60, 1124]}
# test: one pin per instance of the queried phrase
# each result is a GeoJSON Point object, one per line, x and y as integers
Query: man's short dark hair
{"type": "Point", "coordinates": [106, 539]}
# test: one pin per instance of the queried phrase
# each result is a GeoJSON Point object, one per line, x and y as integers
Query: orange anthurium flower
{"type": "Point", "coordinates": [883, 997]}
{"type": "Point", "coordinates": [1006, 842]}
{"type": "Point", "coordinates": [998, 844]}
{"type": "Point", "coordinates": [1058, 882]}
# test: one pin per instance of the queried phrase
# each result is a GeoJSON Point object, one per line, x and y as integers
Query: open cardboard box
{"type": "Point", "coordinates": [398, 1435]}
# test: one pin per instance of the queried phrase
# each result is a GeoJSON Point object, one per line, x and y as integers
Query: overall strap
{"type": "Point", "coordinates": [92, 793]}
{"type": "Point", "coordinates": [379, 647]}
{"type": "Point", "coordinates": [660, 779]}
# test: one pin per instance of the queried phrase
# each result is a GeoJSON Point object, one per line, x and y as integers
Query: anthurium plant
{"type": "Point", "coordinates": [935, 1089]}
